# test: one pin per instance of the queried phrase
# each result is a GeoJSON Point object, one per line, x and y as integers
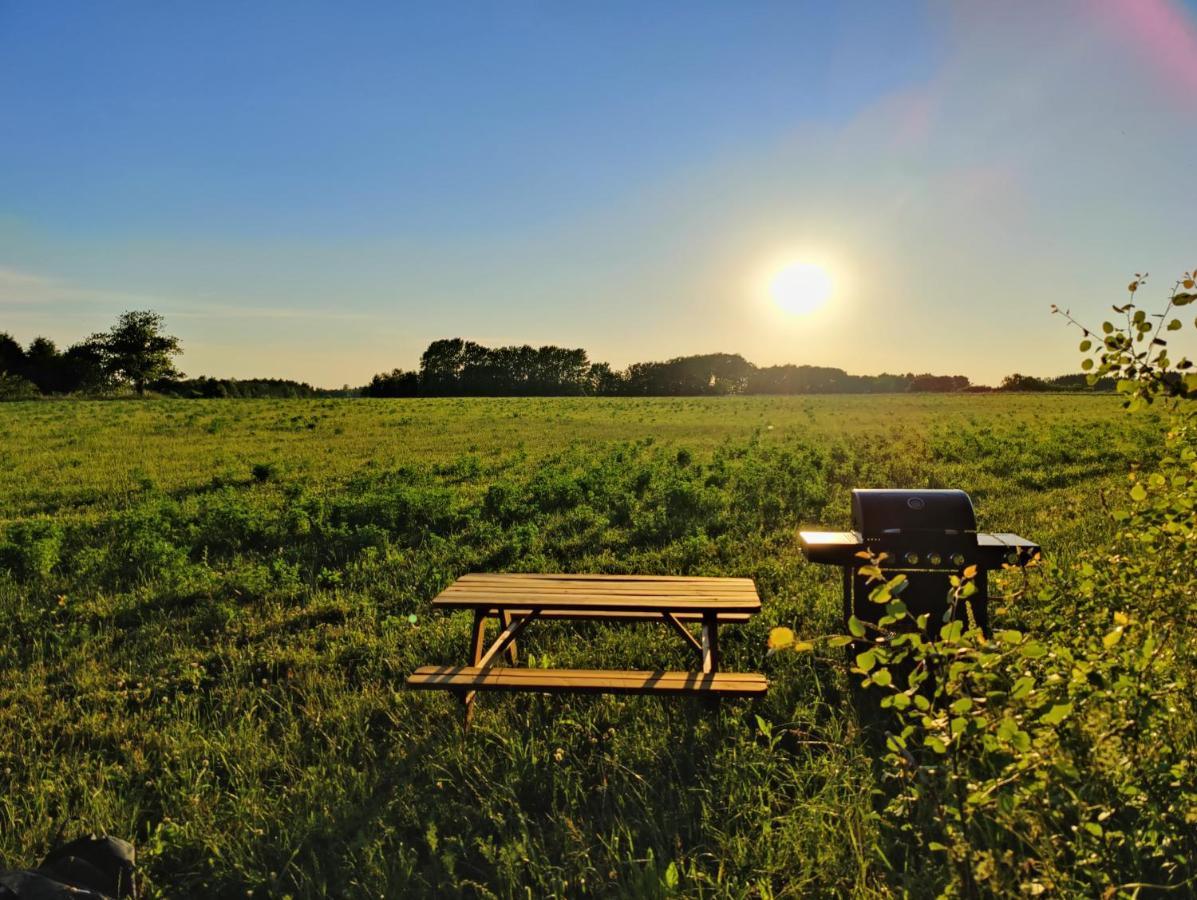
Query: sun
{"type": "Point", "coordinates": [800, 287]}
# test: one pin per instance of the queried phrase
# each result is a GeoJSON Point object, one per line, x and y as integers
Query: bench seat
{"type": "Point", "coordinates": [623, 615]}
{"type": "Point", "coordinates": [588, 681]}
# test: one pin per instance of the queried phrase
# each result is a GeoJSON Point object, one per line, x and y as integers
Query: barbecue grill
{"type": "Point", "coordinates": [926, 535]}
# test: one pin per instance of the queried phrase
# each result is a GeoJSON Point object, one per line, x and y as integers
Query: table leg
{"type": "Point", "coordinates": [504, 624]}
{"type": "Point", "coordinates": [477, 643]}
{"type": "Point", "coordinates": [710, 643]}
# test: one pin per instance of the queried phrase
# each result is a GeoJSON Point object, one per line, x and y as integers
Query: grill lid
{"type": "Point", "coordinates": [879, 513]}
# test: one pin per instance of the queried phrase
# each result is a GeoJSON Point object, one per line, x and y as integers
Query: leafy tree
{"type": "Point", "coordinates": [136, 351]}
{"type": "Point", "coordinates": [83, 368]}
{"type": "Point", "coordinates": [43, 365]}
{"type": "Point", "coordinates": [603, 380]}
{"type": "Point", "coordinates": [12, 356]}
{"type": "Point", "coordinates": [15, 387]}
{"type": "Point", "coordinates": [396, 383]}
{"type": "Point", "coordinates": [1017, 382]}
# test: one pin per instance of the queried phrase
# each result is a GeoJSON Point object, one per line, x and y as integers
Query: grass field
{"type": "Point", "coordinates": [208, 612]}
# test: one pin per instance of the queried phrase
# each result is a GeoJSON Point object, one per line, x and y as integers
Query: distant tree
{"type": "Point", "coordinates": [938, 384]}
{"type": "Point", "coordinates": [1017, 382]}
{"type": "Point", "coordinates": [1080, 381]}
{"type": "Point", "coordinates": [16, 387]}
{"type": "Point", "coordinates": [603, 381]}
{"type": "Point", "coordinates": [791, 379]}
{"type": "Point", "coordinates": [12, 355]}
{"type": "Point", "coordinates": [43, 365]}
{"type": "Point", "coordinates": [83, 369]}
{"type": "Point", "coordinates": [396, 383]}
{"type": "Point", "coordinates": [136, 351]}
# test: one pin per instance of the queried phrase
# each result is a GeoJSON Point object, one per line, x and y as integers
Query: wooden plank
{"type": "Point", "coordinates": [683, 631]}
{"type": "Point", "coordinates": [506, 636]}
{"type": "Point", "coordinates": [664, 584]}
{"type": "Point", "coordinates": [602, 589]}
{"type": "Point", "coordinates": [505, 621]}
{"type": "Point", "coordinates": [617, 615]}
{"type": "Point", "coordinates": [710, 644]}
{"type": "Point", "coordinates": [612, 590]}
{"type": "Point", "coordinates": [600, 603]}
{"type": "Point", "coordinates": [587, 681]}
{"type": "Point", "coordinates": [549, 576]}
{"type": "Point", "coordinates": [477, 638]}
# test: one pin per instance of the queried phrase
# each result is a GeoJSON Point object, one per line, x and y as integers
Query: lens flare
{"type": "Point", "coordinates": [801, 287]}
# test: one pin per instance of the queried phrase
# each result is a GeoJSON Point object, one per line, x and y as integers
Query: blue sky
{"type": "Point", "coordinates": [318, 190]}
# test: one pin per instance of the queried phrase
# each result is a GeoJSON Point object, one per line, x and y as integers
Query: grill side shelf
{"type": "Point", "coordinates": [837, 548]}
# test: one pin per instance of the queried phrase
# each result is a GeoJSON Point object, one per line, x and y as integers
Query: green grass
{"type": "Point", "coordinates": [204, 632]}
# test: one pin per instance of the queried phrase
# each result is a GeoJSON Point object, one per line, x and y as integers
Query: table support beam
{"type": "Point", "coordinates": [485, 660]}
{"type": "Point", "coordinates": [681, 629]}
{"type": "Point", "coordinates": [505, 622]}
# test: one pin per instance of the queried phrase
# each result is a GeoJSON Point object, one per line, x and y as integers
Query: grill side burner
{"type": "Point", "coordinates": [927, 535]}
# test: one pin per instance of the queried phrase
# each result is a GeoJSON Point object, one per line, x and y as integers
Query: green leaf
{"type": "Point", "coordinates": [1086, 345]}
{"type": "Point", "coordinates": [856, 627]}
{"type": "Point", "coordinates": [1174, 325]}
{"type": "Point", "coordinates": [1112, 637]}
{"type": "Point", "coordinates": [1086, 364]}
{"type": "Point", "coordinates": [1022, 687]}
{"type": "Point", "coordinates": [883, 677]}
{"type": "Point", "coordinates": [671, 875]}
{"type": "Point", "coordinates": [1034, 650]}
{"type": "Point", "coordinates": [1138, 493]}
{"type": "Point", "coordinates": [935, 744]}
{"type": "Point", "coordinates": [865, 661]}
{"type": "Point", "coordinates": [1057, 714]}
{"type": "Point", "coordinates": [963, 705]}
{"type": "Point", "coordinates": [1009, 636]}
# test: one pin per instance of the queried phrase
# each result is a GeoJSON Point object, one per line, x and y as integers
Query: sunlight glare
{"type": "Point", "coordinates": [800, 287]}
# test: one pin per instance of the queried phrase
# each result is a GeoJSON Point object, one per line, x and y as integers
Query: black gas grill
{"type": "Point", "coordinates": [926, 535]}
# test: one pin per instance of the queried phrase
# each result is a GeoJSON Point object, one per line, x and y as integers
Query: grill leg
{"type": "Point", "coordinates": [980, 603]}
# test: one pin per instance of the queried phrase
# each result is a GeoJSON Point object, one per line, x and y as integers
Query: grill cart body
{"type": "Point", "coordinates": [927, 535]}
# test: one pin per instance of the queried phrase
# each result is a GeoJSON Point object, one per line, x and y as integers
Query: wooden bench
{"type": "Point", "coordinates": [518, 600]}
{"type": "Point", "coordinates": [588, 681]}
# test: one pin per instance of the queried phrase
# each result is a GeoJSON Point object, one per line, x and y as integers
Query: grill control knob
{"type": "Point", "coordinates": [934, 559]}
{"type": "Point", "coordinates": [957, 559]}
{"type": "Point", "coordinates": [912, 558]}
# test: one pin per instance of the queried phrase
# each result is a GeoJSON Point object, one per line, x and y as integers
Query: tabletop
{"type": "Point", "coordinates": [602, 593]}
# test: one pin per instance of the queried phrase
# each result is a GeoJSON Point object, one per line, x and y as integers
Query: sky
{"type": "Point", "coordinates": [318, 190]}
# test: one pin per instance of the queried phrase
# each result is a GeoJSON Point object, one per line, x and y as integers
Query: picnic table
{"type": "Point", "coordinates": [518, 600]}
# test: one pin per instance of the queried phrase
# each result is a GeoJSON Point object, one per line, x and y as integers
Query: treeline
{"type": "Point", "coordinates": [457, 367]}
{"type": "Point", "coordinates": [204, 387]}
{"type": "Point", "coordinates": [136, 354]}
{"type": "Point", "coordinates": [43, 369]}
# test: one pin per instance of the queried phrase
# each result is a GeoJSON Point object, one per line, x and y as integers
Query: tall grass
{"type": "Point", "coordinates": [206, 617]}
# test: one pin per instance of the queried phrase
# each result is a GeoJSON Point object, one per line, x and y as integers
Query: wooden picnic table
{"type": "Point", "coordinates": [518, 600]}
